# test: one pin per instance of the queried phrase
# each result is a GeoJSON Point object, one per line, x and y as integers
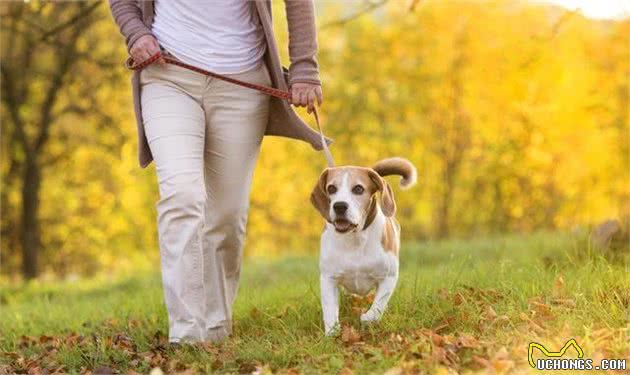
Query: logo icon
{"type": "Point", "coordinates": [548, 353]}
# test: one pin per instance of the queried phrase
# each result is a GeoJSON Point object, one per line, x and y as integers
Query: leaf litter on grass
{"type": "Point", "coordinates": [455, 327]}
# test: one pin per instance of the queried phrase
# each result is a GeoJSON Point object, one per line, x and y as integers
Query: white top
{"type": "Point", "coordinates": [222, 36]}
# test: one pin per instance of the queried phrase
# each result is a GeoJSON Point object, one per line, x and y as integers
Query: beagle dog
{"type": "Point", "coordinates": [361, 238]}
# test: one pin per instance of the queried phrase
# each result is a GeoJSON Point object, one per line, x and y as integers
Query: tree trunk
{"type": "Point", "coordinates": [30, 238]}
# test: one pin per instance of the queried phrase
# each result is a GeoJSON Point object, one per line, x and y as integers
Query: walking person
{"type": "Point", "coordinates": [204, 135]}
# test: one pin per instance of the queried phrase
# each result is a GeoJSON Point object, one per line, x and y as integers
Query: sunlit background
{"type": "Point", "coordinates": [515, 114]}
{"type": "Point", "coordinates": [611, 9]}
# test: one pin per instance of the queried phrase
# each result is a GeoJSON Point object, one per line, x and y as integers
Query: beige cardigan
{"type": "Point", "coordinates": [135, 17]}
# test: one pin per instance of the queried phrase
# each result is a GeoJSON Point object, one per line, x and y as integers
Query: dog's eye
{"type": "Point", "coordinates": [332, 189]}
{"type": "Point", "coordinates": [358, 190]}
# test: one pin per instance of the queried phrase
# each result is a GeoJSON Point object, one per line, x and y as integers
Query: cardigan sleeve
{"type": "Point", "coordinates": [128, 17]}
{"type": "Point", "coordinates": [302, 41]}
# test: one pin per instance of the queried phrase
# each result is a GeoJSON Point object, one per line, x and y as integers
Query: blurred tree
{"type": "Point", "coordinates": [450, 137]}
{"type": "Point", "coordinates": [47, 59]}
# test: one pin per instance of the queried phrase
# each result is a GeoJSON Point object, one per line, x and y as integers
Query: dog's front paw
{"type": "Point", "coordinates": [371, 316]}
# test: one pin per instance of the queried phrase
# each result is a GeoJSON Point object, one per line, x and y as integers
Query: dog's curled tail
{"type": "Point", "coordinates": [397, 166]}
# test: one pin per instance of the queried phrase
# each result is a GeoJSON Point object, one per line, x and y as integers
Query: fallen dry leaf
{"type": "Point", "coordinates": [440, 327]}
{"type": "Point", "coordinates": [111, 322]}
{"type": "Point", "coordinates": [567, 302]}
{"type": "Point", "coordinates": [437, 340]}
{"type": "Point", "coordinates": [535, 327]}
{"type": "Point", "coordinates": [467, 341]}
{"type": "Point", "coordinates": [558, 286]}
{"type": "Point", "coordinates": [459, 299]}
{"type": "Point", "coordinates": [481, 362]}
{"type": "Point", "coordinates": [443, 295]}
{"type": "Point", "coordinates": [489, 313]}
{"type": "Point", "coordinates": [262, 370]}
{"type": "Point", "coordinates": [394, 371]}
{"type": "Point", "coordinates": [502, 353]}
{"type": "Point", "coordinates": [441, 370]}
{"type": "Point", "coordinates": [443, 355]}
{"type": "Point", "coordinates": [524, 317]}
{"type": "Point", "coordinates": [502, 365]}
{"type": "Point", "coordinates": [104, 370]}
{"type": "Point", "coordinates": [349, 335]}
{"type": "Point", "coordinates": [541, 309]}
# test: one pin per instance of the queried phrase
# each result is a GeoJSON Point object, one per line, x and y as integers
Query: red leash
{"type": "Point", "coordinates": [285, 95]}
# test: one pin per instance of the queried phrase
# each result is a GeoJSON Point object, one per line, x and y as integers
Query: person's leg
{"type": "Point", "coordinates": [236, 119]}
{"type": "Point", "coordinates": [174, 123]}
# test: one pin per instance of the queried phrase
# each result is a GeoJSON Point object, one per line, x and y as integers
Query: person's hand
{"type": "Point", "coordinates": [305, 94]}
{"type": "Point", "coordinates": [145, 47]}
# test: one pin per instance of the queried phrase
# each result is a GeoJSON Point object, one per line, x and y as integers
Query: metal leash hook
{"type": "Point", "coordinates": [271, 91]}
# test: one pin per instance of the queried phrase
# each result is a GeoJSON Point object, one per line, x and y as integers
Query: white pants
{"type": "Point", "coordinates": [205, 136]}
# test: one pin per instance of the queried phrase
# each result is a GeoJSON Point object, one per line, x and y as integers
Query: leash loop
{"type": "Point", "coordinates": [271, 91]}
{"type": "Point", "coordinates": [329, 158]}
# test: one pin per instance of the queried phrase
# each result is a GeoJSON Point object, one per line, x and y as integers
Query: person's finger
{"type": "Point", "coordinates": [295, 97]}
{"type": "Point", "coordinates": [320, 96]}
{"type": "Point", "coordinates": [155, 45]}
{"type": "Point", "coordinates": [144, 55]}
{"type": "Point", "coordinates": [311, 101]}
{"type": "Point", "coordinates": [134, 53]}
{"type": "Point", "coordinates": [139, 55]}
{"type": "Point", "coordinates": [297, 92]}
{"type": "Point", "coordinates": [300, 98]}
{"type": "Point", "coordinates": [147, 48]}
{"type": "Point", "coordinates": [303, 99]}
{"type": "Point", "coordinates": [151, 50]}
{"type": "Point", "coordinates": [155, 48]}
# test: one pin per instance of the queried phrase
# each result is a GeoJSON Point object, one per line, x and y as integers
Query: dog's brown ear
{"type": "Point", "coordinates": [319, 197]}
{"type": "Point", "coordinates": [388, 204]}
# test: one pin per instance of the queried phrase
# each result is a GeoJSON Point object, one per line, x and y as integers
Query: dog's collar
{"type": "Point", "coordinates": [371, 213]}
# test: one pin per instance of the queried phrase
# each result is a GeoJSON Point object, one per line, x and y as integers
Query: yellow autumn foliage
{"type": "Point", "coordinates": [515, 114]}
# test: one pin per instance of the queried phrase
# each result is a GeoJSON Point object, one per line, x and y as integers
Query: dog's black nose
{"type": "Point", "coordinates": [340, 207]}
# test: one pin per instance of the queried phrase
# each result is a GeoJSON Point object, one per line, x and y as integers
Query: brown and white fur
{"type": "Point", "coordinates": [361, 238]}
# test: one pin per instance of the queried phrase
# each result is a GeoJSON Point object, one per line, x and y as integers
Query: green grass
{"type": "Point", "coordinates": [500, 292]}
